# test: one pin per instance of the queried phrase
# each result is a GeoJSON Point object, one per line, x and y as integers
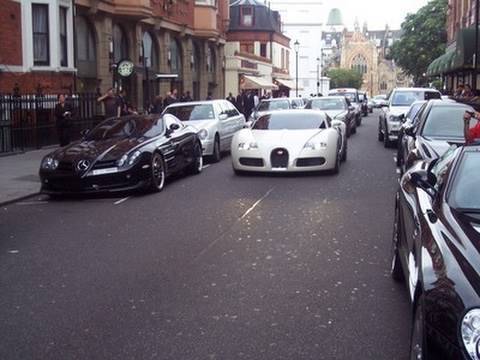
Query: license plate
{"type": "Point", "coordinates": [279, 169]}
{"type": "Point", "coordinates": [104, 171]}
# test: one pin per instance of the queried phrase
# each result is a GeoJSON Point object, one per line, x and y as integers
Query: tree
{"type": "Point", "coordinates": [423, 39]}
{"type": "Point", "coordinates": [345, 78]}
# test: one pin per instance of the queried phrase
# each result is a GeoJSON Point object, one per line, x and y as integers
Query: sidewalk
{"type": "Point", "coordinates": [19, 175]}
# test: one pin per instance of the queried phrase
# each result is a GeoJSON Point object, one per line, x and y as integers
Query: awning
{"type": "Point", "coordinates": [256, 82]}
{"type": "Point", "coordinates": [442, 64]}
{"type": "Point", "coordinates": [288, 83]}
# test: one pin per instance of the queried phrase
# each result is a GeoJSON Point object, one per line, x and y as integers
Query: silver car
{"type": "Point", "coordinates": [216, 121]}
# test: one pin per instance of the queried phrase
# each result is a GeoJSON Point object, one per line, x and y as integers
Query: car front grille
{"type": "Point", "coordinates": [105, 164]}
{"type": "Point", "coordinates": [251, 162]}
{"type": "Point", "coordinates": [65, 166]}
{"type": "Point", "coordinates": [315, 161]}
{"type": "Point", "coordinates": [279, 158]}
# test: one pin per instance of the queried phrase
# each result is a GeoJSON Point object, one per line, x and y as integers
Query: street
{"type": "Point", "coordinates": [216, 266]}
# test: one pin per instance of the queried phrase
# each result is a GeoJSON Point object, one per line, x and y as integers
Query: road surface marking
{"type": "Point", "coordinates": [398, 171]}
{"type": "Point", "coordinates": [209, 246]}
{"type": "Point", "coordinates": [37, 202]}
{"type": "Point", "coordinates": [121, 200]}
{"type": "Point", "coordinates": [205, 166]}
{"type": "Point", "coordinates": [395, 159]}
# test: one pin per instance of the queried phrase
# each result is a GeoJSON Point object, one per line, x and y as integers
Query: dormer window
{"type": "Point", "coordinates": [247, 16]}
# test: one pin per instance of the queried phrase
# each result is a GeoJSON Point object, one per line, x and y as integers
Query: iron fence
{"type": "Point", "coordinates": [27, 121]}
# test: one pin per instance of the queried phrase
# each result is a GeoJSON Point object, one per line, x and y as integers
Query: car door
{"type": "Point", "coordinates": [224, 125]}
{"type": "Point", "coordinates": [181, 144]}
{"type": "Point", "coordinates": [237, 120]}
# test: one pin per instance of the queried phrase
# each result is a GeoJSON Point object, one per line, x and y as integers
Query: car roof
{"type": "Point", "coordinates": [342, 90]}
{"type": "Point", "coordinates": [329, 97]}
{"type": "Point", "coordinates": [297, 112]}
{"type": "Point", "coordinates": [443, 103]}
{"type": "Point", "coordinates": [415, 89]}
{"type": "Point", "coordinates": [206, 102]}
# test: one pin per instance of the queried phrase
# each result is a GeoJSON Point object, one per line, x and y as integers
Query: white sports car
{"type": "Point", "coordinates": [291, 141]}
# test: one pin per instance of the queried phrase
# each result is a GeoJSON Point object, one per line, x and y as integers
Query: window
{"type": "Point", "coordinates": [247, 47]}
{"type": "Point", "coordinates": [41, 44]}
{"type": "Point", "coordinates": [175, 57]}
{"type": "Point", "coordinates": [120, 45]}
{"type": "Point", "coordinates": [211, 60]}
{"type": "Point", "coordinates": [263, 50]}
{"type": "Point", "coordinates": [63, 36]}
{"type": "Point", "coordinates": [360, 64]}
{"type": "Point", "coordinates": [149, 51]}
{"type": "Point", "coordinates": [283, 58]}
{"type": "Point", "coordinates": [247, 16]}
{"type": "Point", "coordinates": [287, 59]}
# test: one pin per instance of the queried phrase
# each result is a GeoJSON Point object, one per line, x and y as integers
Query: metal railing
{"type": "Point", "coordinates": [27, 121]}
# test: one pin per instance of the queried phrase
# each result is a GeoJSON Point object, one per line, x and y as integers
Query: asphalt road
{"type": "Point", "coordinates": [214, 267]}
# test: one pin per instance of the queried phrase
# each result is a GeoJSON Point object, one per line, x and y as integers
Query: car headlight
{"type": "Point", "coordinates": [203, 134]}
{"type": "Point", "coordinates": [247, 146]}
{"type": "Point", "coordinates": [49, 163]}
{"type": "Point", "coordinates": [340, 117]}
{"type": "Point", "coordinates": [134, 157]}
{"type": "Point", "coordinates": [393, 118]}
{"type": "Point", "coordinates": [122, 161]}
{"type": "Point", "coordinates": [310, 145]}
{"type": "Point", "coordinates": [471, 333]}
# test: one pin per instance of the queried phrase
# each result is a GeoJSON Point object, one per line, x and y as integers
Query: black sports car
{"type": "Point", "coordinates": [436, 249]}
{"type": "Point", "coordinates": [122, 154]}
{"type": "Point", "coordinates": [439, 125]}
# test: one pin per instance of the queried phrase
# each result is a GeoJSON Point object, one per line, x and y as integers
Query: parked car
{"type": "Point", "coordinates": [216, 121]}
{"type": "Point", "coordinates": [435, 251]}
{"type": "Point", "coordinates": [410, 119]}
{"type": "Point", "coordinates": [275, 104]}
{"type": "Point", "coordinates": [338, 108]}
{"type": "Point", "coordinates": [400, 99]}
{"type": "Point", "coordinates": [379, 101]}
{"type": "Point", "coordinates": [370, 105]}
{"type": "Point", "coordinates": [362, 95]}
{"type": "Point", "coordinates": [439, 125]}
{"type": "Point", "coordinates": [290, 141]}
{"type": "Point", "coordinates": [353, 98]}
{"type": "Point", "coordinates": [119, 154]}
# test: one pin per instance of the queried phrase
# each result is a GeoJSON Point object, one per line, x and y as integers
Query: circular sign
{"type": "Point", "coordinates": [125, 68]}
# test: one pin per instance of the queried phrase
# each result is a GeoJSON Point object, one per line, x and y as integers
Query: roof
{"type": "Point", "coordinates": [246, 2]}
{"type": "Point", "coordinates": [264, 18]}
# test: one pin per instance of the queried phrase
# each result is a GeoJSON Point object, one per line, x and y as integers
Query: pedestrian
{"type": "Point", "coordinates": [467, 91]}
{"type": "Point", "coordinates": [231, 98]}
{"type": "Point", "coordinates": [459, 91]}
{"type": "Point", "coordinates": [187, 97]}
{"type": "Point", "coordinates": [249, 104]}
{"type": "Point", "coordinates": [157, 107]}
{"type": "Point", "coordinates": [111, 104]}
{"type": "Point", "coordinates": [239, 102]}
{"type": "Point", "coordinates": [122, 99]}
{"type": "Point", "coordinates": [209, 96]}
{"type": "Point", "coordinates": [63, 120]}
{"type": "Point", "coordinates": [471, 133]}
{"type": "Point", "coordinates": [256, 99]}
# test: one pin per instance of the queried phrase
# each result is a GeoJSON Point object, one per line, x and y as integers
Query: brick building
{"type": "Point", "coordinates": [47, 46]}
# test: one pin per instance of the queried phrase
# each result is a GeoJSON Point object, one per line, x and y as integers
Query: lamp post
{"type": "Point", "coordinates": [296, 47]}
{"type": "Point", "coordinates": [318, 76]}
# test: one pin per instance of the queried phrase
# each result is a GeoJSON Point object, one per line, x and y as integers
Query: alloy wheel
{"type": "Point", "coordinates": [158, 173]}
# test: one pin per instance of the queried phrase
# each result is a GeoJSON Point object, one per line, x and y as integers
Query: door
{"type": "Point", "coordinates": [224, 124]}
{"type": "Point", "coordinates": [180, 144]}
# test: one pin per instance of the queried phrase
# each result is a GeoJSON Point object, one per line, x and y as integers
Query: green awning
{"type": "Point", "coordinates": [442, 64]}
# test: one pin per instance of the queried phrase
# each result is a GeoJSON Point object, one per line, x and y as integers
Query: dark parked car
{"type": "Point", "coordinates": [436, 250]}
{"type": "Point", "coordinates": [338, 108]}
{"type": "Point", "coordinates": [439, 125]}
{"type": "Point", "coordinates": [120, 154]}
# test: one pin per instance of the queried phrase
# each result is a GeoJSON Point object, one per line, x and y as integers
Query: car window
{"type": "Point", "coordinates": [464, 194]}
{"type": "Point", "coordinates": [192, 112]}
{"type": "Point", "coordinates": [273, 105]}
{"type": "Point", "coordinates": [442, 165]}
{"type": "Point", "coordinates": [429, 95]}
{"type": "Point", "coordinates": [281, 121]}
{"type": "Point", "coordinates": [126, 127]}
{"type": "Point", "coordinates": [444, 122]}
{"type": "Point", "coordinates": [327, 104]}
{"type": "Point", "coordinates": [413, 111]}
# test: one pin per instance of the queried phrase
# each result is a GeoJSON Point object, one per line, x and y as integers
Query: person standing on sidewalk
{"type": "Point", "coordinates": [472, 134]}
{"type": "Point", "coordinates": [63, 119]}
{"type": "Point", "coordinates": [111, 103]}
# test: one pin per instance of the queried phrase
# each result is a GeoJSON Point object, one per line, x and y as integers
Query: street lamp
{"type": "Point", "coordinates": [296, 47]}
{"type": "Point", "coordinates": [318, 76]}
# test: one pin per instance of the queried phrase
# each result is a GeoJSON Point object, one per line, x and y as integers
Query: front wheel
{"type": "Point", "coordinates": [216, 156]}
{"type": "Point", "coordinates": [344, 152]}
{"type": "Point", "coordinates": [157, 176]}
{"type": "Point", "coordinates": [380, 133]}
{"type": "Point", "coordinates": [197, 164]}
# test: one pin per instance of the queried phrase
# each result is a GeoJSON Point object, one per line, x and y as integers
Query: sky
{"type": "Point", "coordinates": [376, 13]}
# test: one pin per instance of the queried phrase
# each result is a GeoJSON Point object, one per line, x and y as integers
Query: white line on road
{"type": "Point", "coordinates": [398, 171]}
{"type": "Point", "coordinates": [395, 159]}
{"type": "Point", "coordinates": [209, 246]}
{"type": "Point", "coordinates": [38, 202]}
{"type": "Point", "coordinates": [121, 200]}
{"type": "Point", "coordinates": [205, 166]}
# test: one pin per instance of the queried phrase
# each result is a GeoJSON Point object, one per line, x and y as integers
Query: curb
{"type": "Point", "coordinates": [20, 198]}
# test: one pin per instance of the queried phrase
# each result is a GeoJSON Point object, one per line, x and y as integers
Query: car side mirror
{"type": "Point", "coordinates": [401, 117]}
{"type": "Point", "coordinates": [223, 117]}
{"type": "Point", "coordinates": [425, 180]}
{"type": "Point", "coordinates": [410, 130]}
{"type": "Point", "coordinates": [84, 132]}
{"type": "Point", "coordinates": [337, 123]}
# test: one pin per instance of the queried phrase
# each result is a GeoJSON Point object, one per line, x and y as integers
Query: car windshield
{"type": "Point", "coordinates": [445, 122]}
{"type": "Point", "coordinates": [407, 98]}
{"type": "Point", "coordinates": [465, 194]}
{"type": "Point", "coordinates": [327, 104]}
{"type": "Point", "coordinates": [192, 112]}
{"type": "Point", "coordinates": [380, 97]}
{"type": "Point", "coordinates": [301, 121]}
{"type": "Point", "coordinates": [127, 127]}
{"type": "Point", "coordinates": [273, 105]}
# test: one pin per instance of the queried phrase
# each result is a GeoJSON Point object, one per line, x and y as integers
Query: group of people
{"type": "Point", "coordinates": [247, 100]}
{"type": "Point", "coordinates": [464, 92]}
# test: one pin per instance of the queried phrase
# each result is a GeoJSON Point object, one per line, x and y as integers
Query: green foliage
{"type": "Point", "coordinates": [424, 39]}
{"type": "Point", "coordinates": [345, 78]}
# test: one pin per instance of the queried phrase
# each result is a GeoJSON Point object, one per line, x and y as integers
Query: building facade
{"type": "Point", "coordinates": [171, 44]}
{"type": "Point", "coordinates": [456, 65]}
{"type": "Point", "coordinates": [302, 22]}
{"type": "Point", "coordinates": [257, 52]}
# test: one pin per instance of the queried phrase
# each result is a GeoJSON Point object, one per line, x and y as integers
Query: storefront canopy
{"type": "Point", "coordinates": [460, 58]}
{"type": "Point", "coordinates": [256, 82]}
{"type": "Point", "coordinates": [288, 84]}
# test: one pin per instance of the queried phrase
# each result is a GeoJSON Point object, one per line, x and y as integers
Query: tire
{"type": "Point", "coordinates": [417, 337]}
{"type": "Point", "coordinates": [354, 129]}
{"type": "Point", "coordinates": [336, 169]}
{"type": "Point", "coordinates": [396, 270]}
{"type": "Point", "coordinates": [197, 165]}
{"type": "Point", "coordinates": [345, 151]}
{"type": "Point", "coordinates": [158, 174]}
{"type": "Point", "coordinates": [386, 142]}
{"type": "Point", "coordinates": [380, 134]}
{"type": "Point", "coordinates": [359, 120]}
{"type": "Point", "coordinates": [216, 156]}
